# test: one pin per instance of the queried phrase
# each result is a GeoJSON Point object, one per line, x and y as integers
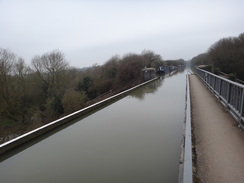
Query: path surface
{"type": "Point", "coordinates": [219, 142]}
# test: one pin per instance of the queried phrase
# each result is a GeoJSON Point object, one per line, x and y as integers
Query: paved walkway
{"type": "Point", "coordinates": [219, 142]}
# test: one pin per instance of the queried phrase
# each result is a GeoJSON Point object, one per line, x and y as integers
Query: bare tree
{"type": "Point", "coordinates": [50, 69]}
{"type": "Point", "coordinates": [151, 59]}
{"type": "Point", "coordinates": [227, 54]}
{"type": "Point", "coordinates": [7, 60]}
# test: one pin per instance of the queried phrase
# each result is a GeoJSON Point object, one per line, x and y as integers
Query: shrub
{"type": "Point", "coordinates": [208, 68]}
{"type": "Point", "coordinates": [216, 71]}
{"type": "Point", "coordinates": [232, 76]}
{"type": "Point", "coordinates": [73, 100]}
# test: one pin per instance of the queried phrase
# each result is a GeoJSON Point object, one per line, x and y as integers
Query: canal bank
{"type": "Point", "coordinates": [52, 125]}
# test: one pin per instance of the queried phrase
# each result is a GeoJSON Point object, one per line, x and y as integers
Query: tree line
{"type": "Point", "coordinates": [49, 87]}
{"type": "Point", "coordinates": [226, 55]}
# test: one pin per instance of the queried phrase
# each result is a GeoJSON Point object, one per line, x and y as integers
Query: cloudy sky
{"type": "Point", "coordinates": [91, 31]}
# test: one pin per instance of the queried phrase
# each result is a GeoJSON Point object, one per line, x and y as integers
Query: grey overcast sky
{"type": "Point", "coordinates": [93, 31]}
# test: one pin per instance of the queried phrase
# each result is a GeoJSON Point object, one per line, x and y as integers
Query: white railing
{"type": "Point", "coordinates": [230, 93]}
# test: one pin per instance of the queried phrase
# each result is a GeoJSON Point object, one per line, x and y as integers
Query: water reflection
{"type": "Point", "coordinates": [149, 88]}
{"type": "Point", "coordinates": [173, 73]}
{"type": "Point", "coordinates": [154, 86]}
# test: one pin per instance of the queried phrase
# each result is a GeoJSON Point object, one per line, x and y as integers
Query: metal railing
{"type": "Point", "coordinates": [230, 93]}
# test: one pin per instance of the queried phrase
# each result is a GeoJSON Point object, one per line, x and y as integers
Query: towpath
{"type": "Point", "coordinates": [218, 141]}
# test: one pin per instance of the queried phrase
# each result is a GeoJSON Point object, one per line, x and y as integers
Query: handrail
{"type": "Point", "coordinates": [230, 93]}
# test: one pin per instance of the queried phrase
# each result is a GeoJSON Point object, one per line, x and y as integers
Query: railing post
{"type": "Point", "coordinates": [228, 93]}
{"type": "Point", "coordinates": [242, 107]}
{"type": "Point", "coordinates": [220, 87]}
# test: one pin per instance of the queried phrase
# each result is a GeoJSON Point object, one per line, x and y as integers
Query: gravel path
{"type": "Point", "coordinates": [219, 142]}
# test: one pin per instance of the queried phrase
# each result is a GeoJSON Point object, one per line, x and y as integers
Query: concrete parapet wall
{"type": "Point", "coordinates": [52, 125]}
{"type": "Point", "coordinates": [185, 168]}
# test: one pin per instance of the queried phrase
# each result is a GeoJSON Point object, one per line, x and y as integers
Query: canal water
{"type": "Point", "coordinates": [136, 139]}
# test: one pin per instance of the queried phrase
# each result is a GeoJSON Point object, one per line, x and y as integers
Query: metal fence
{"type": "Point", "coordinates": [230, 93]}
